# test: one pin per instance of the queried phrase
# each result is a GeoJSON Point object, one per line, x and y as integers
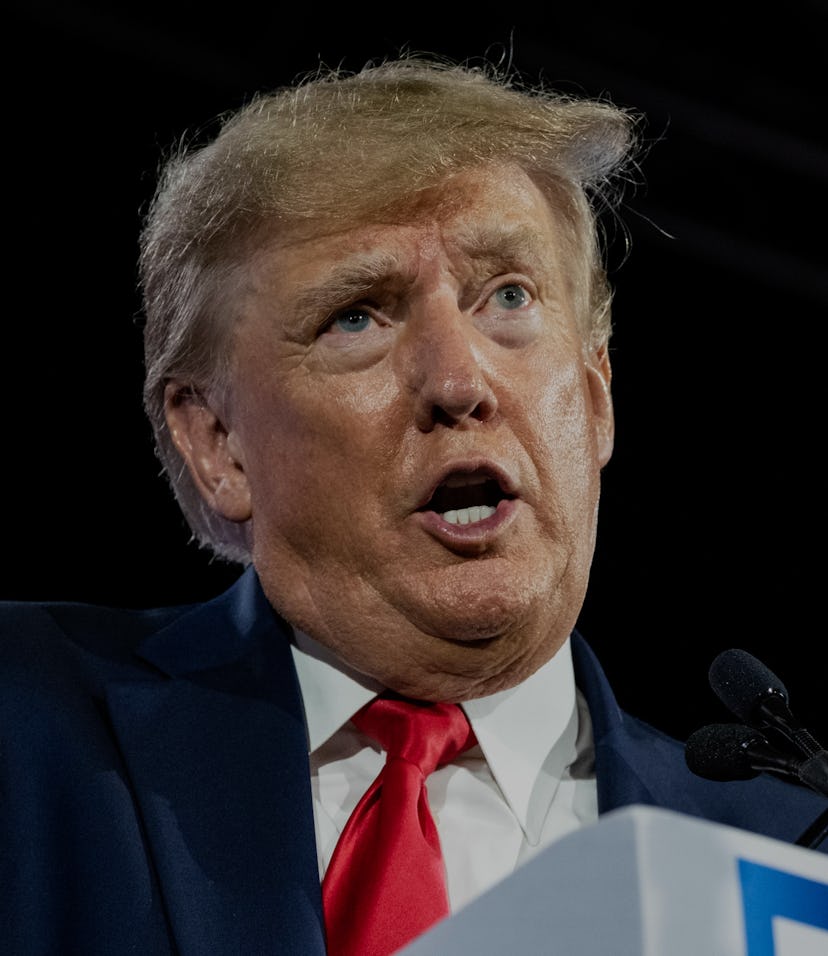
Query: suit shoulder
{"type": "Point", "coordinates": [41, 641]}
{"type": "Point", "coordinates": [56, 660]}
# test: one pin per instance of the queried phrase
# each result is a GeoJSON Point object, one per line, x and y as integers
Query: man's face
{"type": "Point", "coordinates": [417, 431]}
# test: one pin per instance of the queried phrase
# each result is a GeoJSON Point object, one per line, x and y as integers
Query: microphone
{"type": "Point", "coordinates": [759, 698]}
{"type": "Point", "coordinates": [755, 695]}
{"type": "Point", "coordinates": [736, 752]}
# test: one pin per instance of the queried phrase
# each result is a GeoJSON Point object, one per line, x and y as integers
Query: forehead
{"type": "Point", "coordinates": [492, 214]}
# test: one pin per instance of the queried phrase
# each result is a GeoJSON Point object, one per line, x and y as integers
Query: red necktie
{"type": "Point", "coordinates": [386, 882]}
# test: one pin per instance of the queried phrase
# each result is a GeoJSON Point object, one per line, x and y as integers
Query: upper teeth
{"type": "Point", "coordinates": [468, 515]}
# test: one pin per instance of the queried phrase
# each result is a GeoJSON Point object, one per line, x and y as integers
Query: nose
{"type": "Point", "coordinates": [444, 372]}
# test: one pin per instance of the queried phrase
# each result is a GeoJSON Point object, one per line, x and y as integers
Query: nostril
{"type": "Point", "coordinates": [452, 399]}
{"type": "Point", "coordinates": [451, 410]}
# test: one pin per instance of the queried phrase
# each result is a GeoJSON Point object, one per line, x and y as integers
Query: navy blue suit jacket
{"type": "Point", "coordinates": [154, 781]}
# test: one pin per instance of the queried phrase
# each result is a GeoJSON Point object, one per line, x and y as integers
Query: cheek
{"type": "Point", "coordinates": [563, 434]}
{"type": "Point", "coordinates": [364, 399]}
{"type": "Point", "coordinates": [556, 395]}
{"type": "Point", "coordinates": [312, 446]}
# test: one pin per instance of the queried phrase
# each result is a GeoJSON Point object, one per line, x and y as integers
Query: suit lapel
{"type": "Point", "coordinates": [626, 764]}
{"type": "Point", "coordinates": [217, 754]}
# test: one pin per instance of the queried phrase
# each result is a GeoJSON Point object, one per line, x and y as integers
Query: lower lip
{"type": "Point", "coordinates": [470, 538]}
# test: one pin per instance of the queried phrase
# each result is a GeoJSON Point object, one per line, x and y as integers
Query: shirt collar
{"type": "Point", "coordinates": [332, 692]}
{"type": "Point", "coordinates": [527, 733]}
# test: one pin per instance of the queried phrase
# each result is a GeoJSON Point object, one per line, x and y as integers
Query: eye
{"type": "Point", "coordinates": [350, 320]}
{"type": "Point", "coordinates": [510, 313]}
{"type": "Point", "coordinates": [511, 296]}
{"type": "Point", "coordinates": [355, 336]}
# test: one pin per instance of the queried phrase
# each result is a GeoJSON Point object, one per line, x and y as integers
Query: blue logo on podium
{"type": "Point", "coordinates": [769, 893]}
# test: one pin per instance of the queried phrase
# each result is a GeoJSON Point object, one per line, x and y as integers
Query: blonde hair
{"type": "Point", "coordinates": [335, 148]}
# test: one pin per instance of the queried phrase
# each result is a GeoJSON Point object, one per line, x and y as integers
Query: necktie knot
{"type": "Point", "coordinates": [427, 735]}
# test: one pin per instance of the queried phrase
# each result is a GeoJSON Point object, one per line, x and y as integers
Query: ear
{"type": "Point", "coordinates": [599, 376]}
{"type": "Point", "coordinates": [211, 453]}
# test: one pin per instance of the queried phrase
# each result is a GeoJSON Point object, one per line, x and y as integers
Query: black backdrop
{"type": "Point", "coordinates": [713, 509]}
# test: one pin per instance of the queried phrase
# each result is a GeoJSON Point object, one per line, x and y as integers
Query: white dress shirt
{"type": "Point", "coordinates": [529, 781]}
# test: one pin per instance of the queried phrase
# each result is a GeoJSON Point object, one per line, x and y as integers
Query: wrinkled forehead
{"type": "Point", "coordinates": [495, 213]}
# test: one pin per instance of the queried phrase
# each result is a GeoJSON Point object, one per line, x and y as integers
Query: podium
{"type": "Point", "coordinates": [648, 882]}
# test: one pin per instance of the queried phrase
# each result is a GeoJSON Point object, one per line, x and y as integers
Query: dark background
{"type": "Point", "coordinates": [713, 508]}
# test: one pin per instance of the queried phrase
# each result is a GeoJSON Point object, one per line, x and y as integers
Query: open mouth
{"type": "Point", "coordinates": [467, 497]}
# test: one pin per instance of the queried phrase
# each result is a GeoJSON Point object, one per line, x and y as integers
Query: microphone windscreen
{"type": "Point", "coordinates": [716, 752]}
{"type": "Point", "coordinates": [740, 681]}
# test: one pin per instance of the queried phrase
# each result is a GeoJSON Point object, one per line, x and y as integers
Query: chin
{"type": "Point", "coordinates": [477, 602]}
{"type": "Point", "coordinates": [474, 638]}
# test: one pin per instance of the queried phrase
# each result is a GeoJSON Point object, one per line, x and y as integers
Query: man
{"type": "Point", "coordinates": [377, 368]}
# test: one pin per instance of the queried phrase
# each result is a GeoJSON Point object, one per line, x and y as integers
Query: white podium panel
{"type": "Point", "coordinates": [648, 882]}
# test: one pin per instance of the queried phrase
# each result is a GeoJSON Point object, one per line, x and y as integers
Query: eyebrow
{"type": "Point", "coordinates": [499, 244]}
{"type": "Point", "coordinates": [358, 275]}
{"type": "Point", "coordinates": [348, 281]}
